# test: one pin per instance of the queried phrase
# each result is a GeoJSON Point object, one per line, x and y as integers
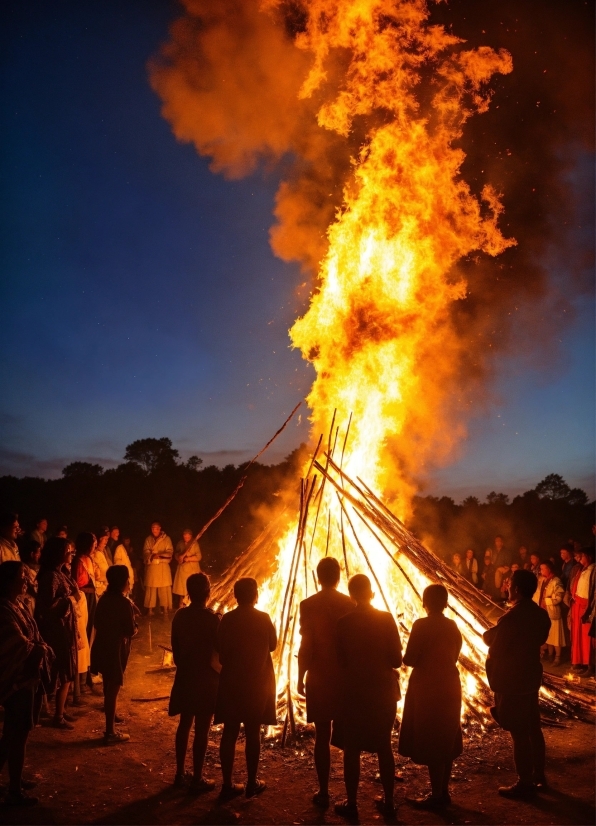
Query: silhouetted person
{"type": "Point", "coordinates": [430, 732]}
{"type": "Point", "coordinates": [502, 559]}
{"type": "Point", "coordinates": [514, 673]}
{"type": "Point", "coordinates": [245, 640]}
{"type": "Point", "coordinates": [56, 618]}
{"type": "Point", "coordinates": [317, 659]}
{"type": "Point", "coordinates": [114, 629]}
{"type": "Point", "coordinates": [25, 662]}
{"type": "Point", "coordinates": [194, 693]}
{"type": "Point", "coordinates": [368, 650]}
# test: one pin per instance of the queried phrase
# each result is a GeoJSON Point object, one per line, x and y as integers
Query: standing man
{"type": "Point", "coordinates": [157, 553]}
{"type": "Point", "coordinates": [317, 659]}
{"type": "Point", "coordinates": [368, 651]}
{"type": "Point", "coordinates": [9, 530]}
{"type": "Point", "coordinates": [514, 673]}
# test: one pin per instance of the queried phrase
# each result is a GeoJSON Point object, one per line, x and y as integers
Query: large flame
{"type": "Point", "coordinates": [379, 329]}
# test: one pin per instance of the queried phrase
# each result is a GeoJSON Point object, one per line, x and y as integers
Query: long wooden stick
{"type": "Point", "coordinates": [244, 478]}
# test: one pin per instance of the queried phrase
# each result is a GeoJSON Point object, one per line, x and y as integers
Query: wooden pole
{"type": "Point", "coordinates": [232, 496]}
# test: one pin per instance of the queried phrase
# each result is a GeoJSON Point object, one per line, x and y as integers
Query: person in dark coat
{"type": "Point", "coordinates": [317, 660]}
{"type": "Point", "coordinates": [56, 618]}
{"type": "Point", "coordinates": [430, 732]}
{"type": "Point", "coordinates": [514, 674]}
{"type": "Point", "coordinates": [368, 650]}
{"type": "Point", "coordinates": [245, 640]}
{"type": "Point", "coordinates": [115, 627]}
{"type": "Point", "coordinates": [25, 675]}
{"type": "Point", "coordinates": [194, 693]}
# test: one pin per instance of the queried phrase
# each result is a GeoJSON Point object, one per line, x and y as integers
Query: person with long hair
{"type": "Point", "coordinates": [115, 627]}
{"type": "Point", "coordinates": [194, 693]}
{"type": "Point", "coordinates": [430, 732]}
{"type": "Point", "coordinates": [25, 663]}
{"type": "Point", "coordinates": [102, 559]}
{"type": "Point", "coordinates": [57, 620]}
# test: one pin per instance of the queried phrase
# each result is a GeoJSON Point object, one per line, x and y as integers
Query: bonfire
{"type": "Point", "coordinates": [394, 368]}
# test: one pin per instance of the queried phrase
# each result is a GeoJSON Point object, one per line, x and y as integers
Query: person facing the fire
{"type": "Point", "coordinates": [317, 660]}
{"type": "Point", "coordinates": [430, 732]}
{"type": "Point", "coordinates": [368, 651]}
{"type": "Point", "coordinates": [514, 674]}
{"type": "Point", "coordinates": [157, 554]}
{"type": "Point", "coordinates": [194, 646]}
{"type": "Point", "coordinates": [245, 640]}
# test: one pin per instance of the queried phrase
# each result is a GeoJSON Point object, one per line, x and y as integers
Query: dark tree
{"type": "Point", "coordinates": [553, 486]}
{"type": "Point", "coordinates": [497, 498]}
{"type": "Point", "coordinates": [151, 454]}
{"type": "Point", "coordinates": [82, 470]}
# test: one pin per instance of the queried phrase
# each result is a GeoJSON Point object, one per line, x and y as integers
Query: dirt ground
{"type": "Point", "coordinates": [82, 781]}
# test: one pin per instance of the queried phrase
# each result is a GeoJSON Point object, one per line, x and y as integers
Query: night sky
{"type": "Point", "coordinates": [140, 297]}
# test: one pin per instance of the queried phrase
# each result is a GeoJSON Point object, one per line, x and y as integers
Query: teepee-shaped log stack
{"type": "Point", "coordinates": [343, 517]}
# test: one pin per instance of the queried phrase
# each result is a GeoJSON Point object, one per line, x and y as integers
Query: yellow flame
{"type": "Point", "coordinates": [379, 330]}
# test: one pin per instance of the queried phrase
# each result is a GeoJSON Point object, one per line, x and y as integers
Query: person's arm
{"type": "Point", "coordinates": [490, 635]}
{"type": "Point", "coordinates": [557, 593]}
{"type": "Point", "coordinates": [393, 643]}
{"type": "Point", "coordinates": [128, 624]}
{"type": "Point", "coordinates": [147, 552]}
{"type": "Point", "coordinates": [304, 652]}
{"type": "Point", "coordinates": [413, 648]}
{"type": "Point", "coordinates": [180, 553]}
{"type": "Point", "coordinates": [167, 551]}
{"type": "Point", "coordinates": [175, 638]}
{"type": "Point", "coordinates": [80, 573]}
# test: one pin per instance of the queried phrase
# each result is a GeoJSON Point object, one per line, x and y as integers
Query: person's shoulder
{"type": "Point", "coordinates": [341, 600]}
{"type": "Point", "coordinates": [262, 616]}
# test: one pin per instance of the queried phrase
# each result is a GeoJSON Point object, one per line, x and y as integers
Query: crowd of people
{"type": "Point", "coordinates": [67, 615]}
{"type": "Point", "coordinates": [565, 590]}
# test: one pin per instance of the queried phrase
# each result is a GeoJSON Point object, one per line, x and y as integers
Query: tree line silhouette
{"type": "Point", "coordinates": [153, 483]}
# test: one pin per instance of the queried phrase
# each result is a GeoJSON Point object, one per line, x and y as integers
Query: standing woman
{"type": "Point", "coordinates": [430, 731]}
{"type": "Point", "coordinates": [115, 627]}
{"type": "Point", "coordinates": [549, 595]}
{"type": "Point", "coordinates": [57, 620]}
{"type": "Point", "coordinates": [101, 558]}
{"type": "Point", "coordinates": [188, 555]}
{"type": "Point", "coordinates": [582, 646]}
{"type": "Point", "coordinates": [194, 693]}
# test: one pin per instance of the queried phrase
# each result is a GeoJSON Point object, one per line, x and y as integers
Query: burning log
{"type": "Point", "coordinates": [400, 566]}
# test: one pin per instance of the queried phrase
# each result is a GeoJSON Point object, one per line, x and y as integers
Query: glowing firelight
{"type": "Point", "coordinates": [379, 330]}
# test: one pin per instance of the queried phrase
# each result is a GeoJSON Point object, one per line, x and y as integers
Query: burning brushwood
{"type": "Point", "coordinates": [344, 517]}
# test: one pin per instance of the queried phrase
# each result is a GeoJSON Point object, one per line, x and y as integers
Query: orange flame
{"type": "Point", "coordinates": [374, 80]}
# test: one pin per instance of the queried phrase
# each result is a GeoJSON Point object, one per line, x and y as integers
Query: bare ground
{"type": "Point", "coordinates": [82, 781]}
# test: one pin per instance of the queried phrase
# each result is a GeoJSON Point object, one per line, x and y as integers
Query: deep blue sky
{"type": "Point", "coordinates": [139, 295]}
